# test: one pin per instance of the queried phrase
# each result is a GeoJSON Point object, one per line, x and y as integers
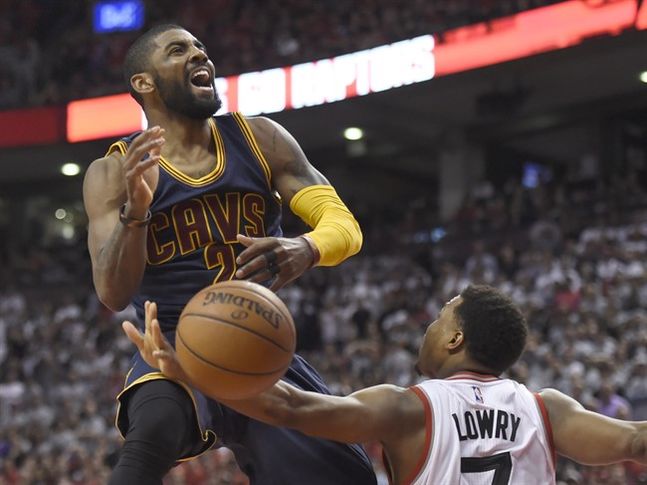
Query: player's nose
{"type": "Point", "coordinates": [198, 55]}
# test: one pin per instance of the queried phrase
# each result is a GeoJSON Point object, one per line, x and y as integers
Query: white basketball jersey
{"type": "Point", "coordinates": [482, 430]}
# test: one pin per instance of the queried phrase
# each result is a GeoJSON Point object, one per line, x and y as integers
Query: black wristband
{"type": "Point", "coordinates": [132, 222]}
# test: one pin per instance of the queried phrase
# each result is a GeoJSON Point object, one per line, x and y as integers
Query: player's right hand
{"type": "Point", "coordinates": [142, 174]}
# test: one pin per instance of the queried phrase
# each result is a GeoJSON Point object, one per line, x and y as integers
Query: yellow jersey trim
{"type": "Point", "coordinates": [209, 437]}
{"type": "Point", "coordinates": [211, 176]}
{"type": "Point", "coordinates": [253, 145]}
{"type": "Point", "coordinates": [118, 146]}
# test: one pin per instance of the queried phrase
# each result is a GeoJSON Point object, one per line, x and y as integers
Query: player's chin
{"type": "Point", "coordinates": [203, 92]}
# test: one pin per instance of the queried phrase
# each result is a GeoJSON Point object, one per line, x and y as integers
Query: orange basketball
{"type": "Point", "coordinates": [235, 339]}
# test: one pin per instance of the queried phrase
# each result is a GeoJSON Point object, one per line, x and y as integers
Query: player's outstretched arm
{"type": "Point", "coordinates": [336, 235]}
{"type": "Point", "coordinates": [118, 250]}
{"type": "Point", "coordinates": [591, 438]}
{"type": "Point", "coordinates": [381, 413]}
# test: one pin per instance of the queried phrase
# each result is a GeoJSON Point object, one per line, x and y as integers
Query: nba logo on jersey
{"type": "Point", "coordinates": [477, 394]}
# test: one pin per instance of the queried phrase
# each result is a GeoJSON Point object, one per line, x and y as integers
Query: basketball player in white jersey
{"type": "Point", "coordinates": [465, 425]}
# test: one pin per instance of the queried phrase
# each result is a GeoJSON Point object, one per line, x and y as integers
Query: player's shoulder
{"type": "Point", "coordinates": [258, 120]}
{"type": "Point", "coordinates": [558, 404]}
{"type": "Point", "coordinates": [550, 393]}
{"type": "Point", "coordinates": [403, 400]}
{"type": "Point", "coordinates": [112, 161]}
{"type": "Point", "coordinates": [104, 172]}
{"type": "Point", "coordinates": [556, 399]}
{"type": "Point", "coordinates": [269, 135]}
{"type": "Point", "coordinates": [407, 411]}
{"type": "Point", "coordinates": [261, 125]}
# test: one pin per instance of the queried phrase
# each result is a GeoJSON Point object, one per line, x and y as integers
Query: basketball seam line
{"type": "Point", "coordinates": [264, 337]}
{"type": "Point", "coordinates": [198, 356]}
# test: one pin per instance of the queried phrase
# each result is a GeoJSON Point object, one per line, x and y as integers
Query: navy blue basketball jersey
{"type": "Point", "coordinates": [191, 240]}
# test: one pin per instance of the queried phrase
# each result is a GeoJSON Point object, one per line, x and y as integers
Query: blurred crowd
{"type": "Point", "coordinates": [51, 55]}
{"type": "Point", "coordinates": [573, 255]}
{"type": "Point", "coordinates": [576, 263]}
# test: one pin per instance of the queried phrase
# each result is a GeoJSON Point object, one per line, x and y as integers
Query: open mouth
{"type": "Point", "coordinates": [201, 79]}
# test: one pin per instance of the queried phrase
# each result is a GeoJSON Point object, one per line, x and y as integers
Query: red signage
{"type": "Point", "coordinates": [89, 119]}
{"type": "Point", "coordinates": [381, 68]}
{"type": "Point", "coordinates": [531, 32]}
{"type": "Point", "coordinates": [34, 126]}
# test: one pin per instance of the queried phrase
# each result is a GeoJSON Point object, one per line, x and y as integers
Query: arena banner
{"type": "Point", "coordinates": [384, 67]}
{"type": "Point", "coordinates": [641, 17]}
{"type": "Point", "coordinates": [93, 118]}
{"type": "Point", "coordinates": [32, 126]}
{"type": "Point", "coordinates": [531, 32]}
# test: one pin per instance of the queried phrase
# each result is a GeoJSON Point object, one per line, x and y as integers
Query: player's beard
{"type": "Point", "coordinates": [179, 98]}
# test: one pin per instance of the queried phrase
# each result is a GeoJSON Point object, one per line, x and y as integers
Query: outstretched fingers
{"type": "Point", "coordinates": [149, 141]}
{"type": "Point", "coordinates": [159, 341]}
{"type": "Point", "coordinates": [134, 335]}
{"type": "Point", "coordinates": [144, 165]}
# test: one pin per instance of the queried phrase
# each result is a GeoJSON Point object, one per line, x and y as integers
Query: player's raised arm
{"type": "Point", "coordinates": [591, 438]}
{"type": "Point", "coordinates": [336, 234]}
{"type": "Point", "coordinates": [117, 193]}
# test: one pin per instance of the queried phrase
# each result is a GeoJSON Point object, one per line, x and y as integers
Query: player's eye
{"type": "Point", "coordinates": [175, 50]}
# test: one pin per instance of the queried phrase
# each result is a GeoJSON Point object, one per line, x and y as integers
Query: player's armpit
{"type": "Point", "coordinates": [380, 413]}
{"type": "Point", "coordinates": [591, 438]}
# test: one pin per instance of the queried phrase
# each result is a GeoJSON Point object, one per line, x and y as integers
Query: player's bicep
{"type": "Point", "coordinates": [374, 414]}
{"type": "Point", "coordinates": [584, 436]}
{"type": "Point", "coordinates": [291, 170]}
{"type": "Point", "coordinates": [100, 229]}
{"type": "Point", "coordinates": [102, 197]}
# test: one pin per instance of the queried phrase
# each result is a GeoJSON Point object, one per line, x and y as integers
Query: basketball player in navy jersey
{"type": "Point", "coordinates": [193, 200]}
{"type": "Point", "coordinates": [462, 425]}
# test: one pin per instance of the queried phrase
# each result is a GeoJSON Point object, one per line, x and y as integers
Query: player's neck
{"type": "Point", "coordinates": [181, 130]}
{"type": "Point", "coordinates": [464, 366]}
{"type": "Point", "coordinates": [180, 127]}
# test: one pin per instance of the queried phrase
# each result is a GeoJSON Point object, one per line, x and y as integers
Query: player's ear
{"type": "Point", "coordinates": [142, 83]}
{"type": "Point", "coordinates": [456, 341]}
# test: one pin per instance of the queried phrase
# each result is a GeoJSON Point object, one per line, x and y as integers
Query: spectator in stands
{"type": "Point", "coordinates": [251, 36]}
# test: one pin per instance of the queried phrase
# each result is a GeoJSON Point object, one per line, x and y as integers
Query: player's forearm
{"type": "Point", "coordinates": [119, 266]}
{"type": "Point", "coordinates": [311, 413]}
{"type": "Point", "coordinates": [591, 438]}
{"type": "Point", "coordinates": [608, 441]}
{"type": "Point", "coordinates": [277, 406]}
{"type": "Point", "coordinates": [281, 405]}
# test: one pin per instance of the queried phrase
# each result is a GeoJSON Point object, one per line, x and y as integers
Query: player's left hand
{"type": "Point", "coordinates": [282, 259]}
{"type": "Point", "coordinates": [154, 348]}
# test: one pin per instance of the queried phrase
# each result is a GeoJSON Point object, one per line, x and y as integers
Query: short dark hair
{"type": "Point", "coordinates": [495, 329]}
{"type": "Point", "coordinates": [138, 56]}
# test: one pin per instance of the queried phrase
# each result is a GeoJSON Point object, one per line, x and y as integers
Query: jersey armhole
{"type": "Point", "coordinates": [548, 429]}
{"type": "Point", "coordinates": [253, 146]}
{"type": "Point", "coordinates": [118, 146]}
{"type": "Point", "coordinates": [428, 435]}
